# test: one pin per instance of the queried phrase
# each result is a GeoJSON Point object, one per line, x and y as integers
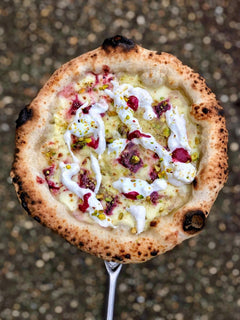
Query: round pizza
{"type": "Point", "coordinates": [122, 152]}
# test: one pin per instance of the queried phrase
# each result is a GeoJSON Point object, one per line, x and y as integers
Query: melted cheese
{"type": "Point", "coordinates": [111, 177]}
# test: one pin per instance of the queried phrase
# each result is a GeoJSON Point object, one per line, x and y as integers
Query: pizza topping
{"type": "Point", "coordinates": [162, 107]}
{"type": "Point", "coordinates": [139, 213]}
{"type": "Point", "coordinates": [110, 119]}
{"type": "Point", "coordinates": [85, 205]}
{"type": "Point", "coordinates": [111, 204]}
{"type": "Point", "coordinates": [40, 180]}
{"type": "Point", "coordinates": [85, 181]}
{"type": "Point", "coordinates": [154, 197]}
{"type": "Point", "coordinates": [117, 146]}
{"type": "Point", "coordinates": [131, 195]}
{"type": "Point", "coordinates": [181, 155]}
{"type": "Point", "coordinates": [132, 102]}
{"type": "Point", "coordinates": [130, 158]}
{"type": "Point", "coordinates": [137, 134]}
{"type": "Point", "coordinates": [142, 187]}
{"type": "Point", "coordinates": [76, 104]}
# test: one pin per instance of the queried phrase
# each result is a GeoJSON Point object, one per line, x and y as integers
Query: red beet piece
{"type": "Point", "coordinates": [40, 180]}
{"type": "Point", "coordinates": [133, 103]}
{"type": "Point", "coordinates": [52, 185]}
{"type": "Point", "coordinates": [162, 107]}
{"type": "Point", "coordinates": [154, 196]}
{"type": "Point", "coordinates": [126, 158]}
{"type": "Point", "coordinates": [94, 143]}
{"type": "Point", "coordinates": [75, 105]}
{"type": "Point", "coordinates": [137, 134]}
{"type": "Point", "coordinates": [86, 110]}
{"type": "Point", "coordinates": [85, 205]}
{"type": "Point", "coordinates": [181, 155]}
{"type": "Point", "coordinates": [48, 171]}
{"type": "Point", "coordinates": [153, 174]}
{"type": "Point", "coordinates": [131, 195]}
{"type": "Point", "coordinates": [110, 206]}
{"type": "Point", "coordinates": [85, 181]}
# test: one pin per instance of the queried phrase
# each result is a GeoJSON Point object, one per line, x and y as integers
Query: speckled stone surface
{"type": "Point", "coordinates": [42, 276]}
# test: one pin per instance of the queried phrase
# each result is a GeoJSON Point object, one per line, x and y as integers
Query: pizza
{"type": "Point", "coordinates": [122, 152]}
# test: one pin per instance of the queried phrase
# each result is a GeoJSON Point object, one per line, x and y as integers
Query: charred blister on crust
{"type": "Point", "coordinates": [118, 41]}
{"type": "Point", "coordinates": [194, 221]}
{"type": "Point", "coordinates": [24, 115]}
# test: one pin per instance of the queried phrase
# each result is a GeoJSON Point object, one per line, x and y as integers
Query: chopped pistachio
{"type": "Point", "coordinates": [112, 113]}
{"type": "Point", "coordinates": [195, 156]}
{"type": "Point", "coordinates": [135, 159]}
{"type": "Point", "coordinates": [133, 230]}
{"type": "Point", "coordinates": [109, 140]}
{"type": "Point", "coordinates": [166, 132]}
{"type": "Point", "coordinates": [197, 140]}
{"type": "Point", "coordinates": [120, 216]}
{"type": "Point", "coordinates": [108, 199]}
{"type": "Point", "coordinates": [127, 117]}
{"type": "Point", "coordinates": [101, 216]}
{"type": "Point", "coordinates": [87, 140]}
{"type": "Point", "coordinates": [162, 174]}
{"type": "Point", "coordinates": [140, 196]}
{"type": "Point", "coordinates": [105, 86]}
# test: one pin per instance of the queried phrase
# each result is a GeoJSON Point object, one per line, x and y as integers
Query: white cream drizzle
{"type": "Point", "coordinates": [126, 185]}
{"type": "Point", "coordinates": [83, 125]}
{"type": "Point", "coordinates": [67, 172]}
{"type": "Point", "coordinates": [178, 137]}
{"type": "Point", "coordinates": [117, 146]}
{"type": "Point", "coordinates": [91, 123]}
{"type": "Point", "coordinates": [96, 169]}
{"type": "Point", "coordinates": [139, 213]}
{"type": "Point", "coordinates": [178, 173]}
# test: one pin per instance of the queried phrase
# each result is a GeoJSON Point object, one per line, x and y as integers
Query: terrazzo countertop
{"type": "Point", "coordinates": [44, 278]}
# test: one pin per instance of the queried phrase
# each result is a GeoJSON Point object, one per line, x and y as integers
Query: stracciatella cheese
{"type": "Point", "coordinates": [121, 154]}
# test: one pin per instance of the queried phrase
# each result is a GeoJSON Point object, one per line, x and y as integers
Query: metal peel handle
{"type": "Point", "coordinates": [113, 269]}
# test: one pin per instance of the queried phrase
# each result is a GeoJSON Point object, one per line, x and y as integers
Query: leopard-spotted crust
{"type": "Point", "coordinates": [123, 55]}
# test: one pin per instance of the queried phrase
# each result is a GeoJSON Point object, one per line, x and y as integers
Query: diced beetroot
{"type": "Point", "coordinates": [40, 180]}
{"type": "Point", "coordinates": [48, 171]}
{"type": "Point", "coordinates": [153, 174]}
{"type": "Point", "coordinates": [133, 103]}
{"type": "Point", "coordinates": [181, 155]}
{"type": "Point", "coordinates": [162, 107]}
{"type": "Point", "coordinates": [154, 196]}
{"type": "Point", "coordinates": [86, 110]}
{"type": "Point", "coordinates": [67, 92]}
{"type": "Point", "coordinates": [52, 185]}
{"type": "Point", "coordinates": [77, 144]}
{"type": "Point", "coordinates": [94, 143]}
{"type": "Point", "coordinates": [85, 205]}
{"type": "Point", "coordinates": [131, 195]}
{"type": "Point", "coordinates": [85, 181]}
{"type": "Point", "coordinates": [130, 158]}
{"type": "Point", "coordinates": [137, 134]}
{"type": "Point", "coordinates": [110, 206]}
{"type": "Point", "coordinates": [96, 78]}
{"type": "Point", "coordinates": [106, 70]}
{"type": "Point", "coordinates": [76, 104]}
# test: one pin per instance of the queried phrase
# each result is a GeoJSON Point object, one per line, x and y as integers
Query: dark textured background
{"type": "Point", "coordinates": [42, 276]}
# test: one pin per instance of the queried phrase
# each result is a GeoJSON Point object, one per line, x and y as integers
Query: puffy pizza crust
{"type": "Point", "coordinates": [123, 55]}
